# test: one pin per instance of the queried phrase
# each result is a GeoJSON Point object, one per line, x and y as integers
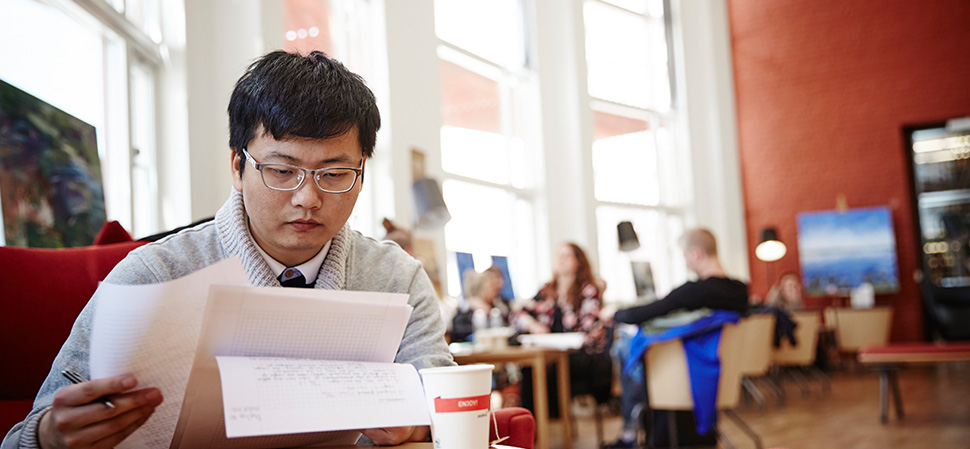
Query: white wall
{"type": "Point", "coordinates": [222, 38]}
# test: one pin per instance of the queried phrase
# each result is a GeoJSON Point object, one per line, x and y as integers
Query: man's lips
{"type": "Point", "coordinates": [303, 225]}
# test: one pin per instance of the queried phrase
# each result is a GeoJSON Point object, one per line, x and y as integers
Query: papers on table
{"type": "Point", "coordinates": [557, 340]}
{"type": "Point", "coordinates": [169, 335]}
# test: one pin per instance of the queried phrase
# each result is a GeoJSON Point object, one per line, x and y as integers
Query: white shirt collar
{"type": "Point", "coordinates": [310, 268]}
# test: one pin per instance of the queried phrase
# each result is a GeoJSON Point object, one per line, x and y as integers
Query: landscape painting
{"type": "Point", "coordinates": [50, 175]}
{"type": "Point", "coordinates": [839, 251]}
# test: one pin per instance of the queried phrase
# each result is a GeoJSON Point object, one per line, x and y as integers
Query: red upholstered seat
{"type": "Point", "coordinates": [517, 423]}
{"type": "Point", "coordinates": [43, 292]}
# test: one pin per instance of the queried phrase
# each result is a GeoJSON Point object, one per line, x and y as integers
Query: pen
{"type": "Point", "coordinates": [76, 378]}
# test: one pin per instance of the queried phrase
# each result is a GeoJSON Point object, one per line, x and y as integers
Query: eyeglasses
{"type": "Point", "coordinates": [286, 177]}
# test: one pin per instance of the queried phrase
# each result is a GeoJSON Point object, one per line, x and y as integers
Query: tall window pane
{"type": "Point", "coordinates": [624, 160]}
{"type": "Point", "coordinates": [615, 72]}
{"type": "Point", "coordinates": [491, 29]}
{"type": "Point", "coordinates": [639, 171]}
{"type": "Point", "coordinates": [486, 156]}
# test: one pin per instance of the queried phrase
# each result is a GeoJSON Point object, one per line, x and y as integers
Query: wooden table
{"type": "Point", "coordinates": [537, 358]}
{"type": "Point", "coordinates": [402, 446]}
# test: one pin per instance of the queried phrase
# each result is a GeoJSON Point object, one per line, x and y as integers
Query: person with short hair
{"type": "Point", "coordinates": [713, 289]}
{"type": "Point", "coordinates": [301, 130]}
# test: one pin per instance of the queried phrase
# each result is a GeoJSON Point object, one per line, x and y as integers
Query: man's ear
{"type": "Point", "coordinates": [234, 170]}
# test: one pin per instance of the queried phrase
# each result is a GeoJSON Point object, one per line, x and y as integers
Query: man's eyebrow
{"type": "Point", "coordinates": [340, 159]}
{"type": "Point", "coordinates": [277, 155]}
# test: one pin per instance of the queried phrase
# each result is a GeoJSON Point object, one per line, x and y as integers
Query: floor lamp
{"type": "Point", "coordinates": [769, 250]}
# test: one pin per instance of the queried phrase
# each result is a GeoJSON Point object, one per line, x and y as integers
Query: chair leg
{"type": "Point", "coordinates": [777, 390]}
{"type": "Point", "coordinates": [753, 390]}
{"type": "Point", "coordinates": [638, 413]}
{"type": "Point", "coordinates": [672, 429]}
{"type": "Point", "coordinates": [724, 439]}
{"type": "Point", "coordinates": [744, 427]}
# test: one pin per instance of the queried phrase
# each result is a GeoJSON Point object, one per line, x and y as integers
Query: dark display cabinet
{"type": "Point", "coordinates": [939, 157]}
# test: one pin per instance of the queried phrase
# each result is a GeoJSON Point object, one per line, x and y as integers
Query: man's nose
{"type": "Point", "coordinates": [308, 196]}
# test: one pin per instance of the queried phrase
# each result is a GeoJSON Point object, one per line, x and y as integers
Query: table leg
{"type": "Point", "coordinates": [565, 400]}
{"type": "Point", "coordinates": [897, 399]}
{"type": "Point", "coordinates": [883, 396]}
{"type": "Point", "coordinates": [541, 402]}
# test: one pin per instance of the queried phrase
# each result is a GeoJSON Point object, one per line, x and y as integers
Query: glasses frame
{"type": "Point", "coordinates": [307, 173]}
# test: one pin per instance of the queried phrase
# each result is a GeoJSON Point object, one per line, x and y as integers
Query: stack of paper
{"type": "Point", "coordinates": [297, 366]}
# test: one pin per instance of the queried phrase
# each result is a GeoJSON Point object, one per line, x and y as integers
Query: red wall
{"type": "Point", "coordinates": [823, 90]}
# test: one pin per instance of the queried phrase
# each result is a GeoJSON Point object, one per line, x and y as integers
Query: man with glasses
{"type": "Point", "coordinates": [301, 130]}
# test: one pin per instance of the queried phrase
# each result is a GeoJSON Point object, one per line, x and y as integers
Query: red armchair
{"type": "Point", "coordinates": [43, 292]}
{"type": "Point", "coordinates": [515, 422]}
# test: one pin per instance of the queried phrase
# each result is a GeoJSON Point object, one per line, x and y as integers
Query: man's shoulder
{"type": "Point", "coordinates": [379, 265]}
{"type": "Point", "coordinates": [368, 248]}
{"type": "Point", "coordinates": [171, 257]}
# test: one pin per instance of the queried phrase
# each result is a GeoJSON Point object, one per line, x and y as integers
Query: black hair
{"type": "Point", "coordinates": [291, 95]}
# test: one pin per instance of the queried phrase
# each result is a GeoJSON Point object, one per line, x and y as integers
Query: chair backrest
{"type": "Point", "coordinates": [858, 328]}
{"type": "Point", "coordinates": [668, 384]}
{"type": "Point", "coordinates": [759, 333]}
{"type": "Point", "coordinates": [806, 339]}
{"type": "Point", "coordinates": [44, 309]}
{"type": "Point", "coordinates": [517, 424]}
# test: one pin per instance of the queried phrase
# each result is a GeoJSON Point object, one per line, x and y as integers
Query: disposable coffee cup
{"type": "Point", "coordinates": [458, 399]}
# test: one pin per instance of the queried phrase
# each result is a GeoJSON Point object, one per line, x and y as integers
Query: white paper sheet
{"type": "Point", "coordinates": [152, 331]}
{"type": "Point", "coordinates": [269, 396]}
{"type": "Point", "coordinates": [292, 323]}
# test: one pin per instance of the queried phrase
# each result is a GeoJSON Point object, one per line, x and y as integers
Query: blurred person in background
{"type": "Point", "coordinates": [571, 302]}
{"type": "Point", "coordinates": [786, 294]}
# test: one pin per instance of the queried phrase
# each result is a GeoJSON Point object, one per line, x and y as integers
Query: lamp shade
{"type": "Point", "coordinates": [429, 205]}
{"type": "Point", "coordinates": [628, 237]}
{"type": "Point", "coordinates": [770, 249]}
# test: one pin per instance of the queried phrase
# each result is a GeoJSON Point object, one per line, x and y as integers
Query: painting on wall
{"type": "Point", "coordinates": [50, 175]}
{"type": "Point", "coordinates": [839, 251]}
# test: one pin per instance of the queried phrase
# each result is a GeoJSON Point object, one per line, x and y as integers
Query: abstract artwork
{"type": "Point", "coordinates": [50, 175]}
{"type": "Point", "coordinates": [839, 251]}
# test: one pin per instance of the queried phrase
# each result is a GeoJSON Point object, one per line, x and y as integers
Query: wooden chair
{"type": "Point", "coordinates": [668, 386]}
{"type": "Point", "coordinates": [857, 328]}
{"type": "Point", "coordinates": [759, 332]}
{"type": "Point", "coordinates": [800, 359]}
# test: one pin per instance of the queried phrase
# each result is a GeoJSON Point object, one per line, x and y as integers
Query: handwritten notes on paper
{"type": "Point", "coordinates": [290, 323]}
{"type": "Point", "coordinates": [268, 396]}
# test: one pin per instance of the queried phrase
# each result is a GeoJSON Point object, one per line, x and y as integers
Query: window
{"type": "Point", "coordinates": [81, 60]}
{"type": "Point", "coordinates": [639, 171]}
{"type": "Point", "coordinates": [488, 159]}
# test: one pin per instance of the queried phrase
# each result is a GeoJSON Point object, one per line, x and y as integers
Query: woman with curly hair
{"type": "Point", "coordinates": [571, 302]}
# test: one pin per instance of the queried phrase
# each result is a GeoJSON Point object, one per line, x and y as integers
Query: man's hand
{"type": "Point", "coordinates": [78, 418]}
{"type": "Point", "coordinates": [396, 435]}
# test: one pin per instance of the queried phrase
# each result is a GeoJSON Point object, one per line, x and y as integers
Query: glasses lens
{"type": "Point", "coordinates": [336, 179]}
{"type": "Point", "coordinates": [282, 177]}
